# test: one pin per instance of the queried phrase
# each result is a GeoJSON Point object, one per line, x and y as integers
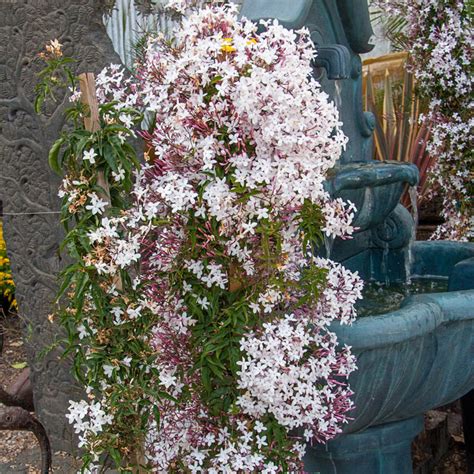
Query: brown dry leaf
{"type": "Point", "coordinates": [458, 438]}
{"type": "Point", "coordinates": [16, 344]}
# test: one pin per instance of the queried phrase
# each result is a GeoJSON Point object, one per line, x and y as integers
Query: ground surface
{"type": "Point", "coordinates": [19, 451]}
{"type": "Point", "coordinates": [12, 442]}
{"type": "Point", "coordinates": [439, 449]}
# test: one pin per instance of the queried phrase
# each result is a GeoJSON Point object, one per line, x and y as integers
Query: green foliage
{"type": "Point", "coordinates": [312, 219]}
{"type": "Point", "coordinates": [313, 282]}
{"type": "Point", "coordinates": [399, 135]}
{"type": "Point", "coordinates": [85, 300]}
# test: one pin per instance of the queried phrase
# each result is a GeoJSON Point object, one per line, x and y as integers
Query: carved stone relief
{"type": "Point", "coordinates": [28, 186]}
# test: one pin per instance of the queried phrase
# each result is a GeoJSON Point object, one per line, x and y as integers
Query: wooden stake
{"type": "Point", "coordinates": [89, 98]}
{"type": "Point", "coordinates": [92, 123]}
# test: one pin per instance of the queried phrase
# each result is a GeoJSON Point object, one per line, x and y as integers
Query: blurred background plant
{"type": "Point", "coordinates": [8, 302]}
{"type": "Point", "coordinates": [390, 94]}
{"type": "Point", "coordinates": [439, 36]}
{"type": "Point", "coordinates": [393, 25]}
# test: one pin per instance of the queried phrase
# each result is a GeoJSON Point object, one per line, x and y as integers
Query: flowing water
{"type": "Point", "coordinates": [328, 245]}
{"type": "Point", "coordinates": [384, 267]}
{"type": "Point", "coordinates": [409, 250]}
{"type": "Point", "coordinates": [337, 95]}
{"type": "Point", "coordinates": [380, 298]}
{"type": "Point", "coordinates": [412, 192]}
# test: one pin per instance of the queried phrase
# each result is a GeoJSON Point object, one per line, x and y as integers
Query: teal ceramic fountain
{"type": "Point", "coordinates": [421, 355]}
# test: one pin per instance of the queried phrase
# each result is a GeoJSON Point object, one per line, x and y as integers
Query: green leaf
{"type": "Point", "coordinates": [116, 129]}
{"type": "Point", "coordinates": [81, 285]}
{"type": "Point", "coordinates": [53, 157]}
{"type": "Point", "coordinates": [115, 454]}
{"type": "Point", "coordinates": [206, 379]}
{"type": "Point", "coordinates": [156, 415]}
{"type": "Point", "coordinates": [109, 157]}
{"type": "Point", "coordinates": [81, 144]}
{"type": "Point", "coordinates": [39, 99]}
{"type": "Point", "coordinates": [118, 148]}
{"type": "Point", "coordinates": [215, 367]}
{"type": "Point", "coordinates": [66, 283]}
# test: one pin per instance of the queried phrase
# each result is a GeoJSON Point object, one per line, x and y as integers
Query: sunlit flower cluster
{"type": "Point", "coordinates": [53, 50]}
{"type": "Point", "coordinates": [7, 285]}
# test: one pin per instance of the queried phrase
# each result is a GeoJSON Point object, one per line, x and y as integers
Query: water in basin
{"type": "Point", "coordinates": [380, 298]}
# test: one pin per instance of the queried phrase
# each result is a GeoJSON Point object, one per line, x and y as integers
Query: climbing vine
{"type": "Point", "coordinates": [196, 312]}
{"type": "Point", "coordinates": [97, 166]}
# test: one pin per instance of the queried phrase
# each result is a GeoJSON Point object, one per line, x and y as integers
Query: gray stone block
{"type": "Point", "coordinates": [27, 185]}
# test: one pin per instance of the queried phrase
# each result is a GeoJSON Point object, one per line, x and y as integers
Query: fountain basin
{"type": "Point", "coordinates": [409, 361]}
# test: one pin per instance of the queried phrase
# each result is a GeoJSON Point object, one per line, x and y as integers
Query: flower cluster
{"type": "Point", "coordinates": [279, 377]}
{"type": "Point", "coordinates": [88, 419]}
{"type": "Point", "coordinates": [53, 50]}
{"type": "Point", "coordinates": [225, 213]}
{"type": "Point", "coordinates": [440, 38]}
{"type": "Point", "coordinates": [7, 286]}
{"type": "Point", "coordinates": [220, 339]}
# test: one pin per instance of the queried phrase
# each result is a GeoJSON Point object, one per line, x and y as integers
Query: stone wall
{"type": "Point", "coordinates": [26, 183]}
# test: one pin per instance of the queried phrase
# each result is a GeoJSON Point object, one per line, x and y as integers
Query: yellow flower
{"type": "Point", "coordinates": [226, 46]}
{"type": "Point", "coordinates": [7, 285]}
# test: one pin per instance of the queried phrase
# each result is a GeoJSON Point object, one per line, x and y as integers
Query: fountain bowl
{"type": "Point", "coordinates": [409, 361]}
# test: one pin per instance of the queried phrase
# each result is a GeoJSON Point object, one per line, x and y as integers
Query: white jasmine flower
{"type": "Point", "coordinates": [97, 205]}
{"type": "Point", "coordinates": [108, 370]}
{"type": "Point", "coordinates": [89, 155]}
{"type": "Point", "coordinates": [120, 175]}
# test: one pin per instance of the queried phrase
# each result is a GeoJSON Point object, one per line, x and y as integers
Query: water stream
{"type": "Point", "coordinates": [337, 95]}
{"type": "Point", "coordinates": [384, 266]}
{"type": "Point", "coordinates": [328, 245]}
{"type": "Point", "coordinates": [412, 192]}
